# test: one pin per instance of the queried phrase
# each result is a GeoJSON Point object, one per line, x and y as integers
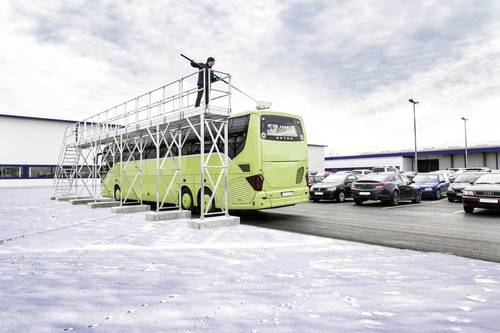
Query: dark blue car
{"type": "Point", "coordinates": [432, 185]}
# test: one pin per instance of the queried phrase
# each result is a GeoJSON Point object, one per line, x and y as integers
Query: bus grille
{"type": "Point", "coordinates": [240, 192]}
{"type": "Point", "coordinates": [300, 175]}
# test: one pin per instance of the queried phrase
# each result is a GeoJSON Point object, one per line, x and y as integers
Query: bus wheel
{"type": "Point", "coordinates": [206, 198]}
{"type": "Point", "coordinates": [187, 199]}
{"type": "Point", "coordinates": [118, 193]}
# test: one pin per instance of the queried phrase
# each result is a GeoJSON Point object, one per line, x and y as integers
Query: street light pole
{"type": "Point", "coordinates": [465, 134]}
{"type": "Point", "coordinates": [415, 168]}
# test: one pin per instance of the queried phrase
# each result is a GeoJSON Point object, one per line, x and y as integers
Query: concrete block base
{"type": "Point", "coordinates": [130, 209]}
{"type": "Point", "coordinates": [214, 222]}
{"type": "Point", "coordinates": [66, 198]}
{"type": "Point", "coordinates": [85, 201]}
{"type": "Point", "coordinates": [168, 215]}
{"type": "Point", "coordinates": [104, 204]}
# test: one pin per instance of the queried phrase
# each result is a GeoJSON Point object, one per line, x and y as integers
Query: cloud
{"type": "Point", "coordinates": [348, 67]}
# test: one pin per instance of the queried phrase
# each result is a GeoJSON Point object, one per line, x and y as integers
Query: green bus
{"type": "Point", "coordinates": [267, 166]}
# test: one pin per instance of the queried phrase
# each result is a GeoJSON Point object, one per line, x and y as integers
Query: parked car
{"type": "Point", "coordinates": [314, 179]}
{"type": "Point", "coordinates": [432, 185]}
{"type": "Point", "coordinates": [361, 171]}
{"type": "Point", "coordinates": [457, 170]}
{"type": "Point", "coordinates": [450, 174]}
{"type": "Point", "coordinates": [334, 187]}
{"type": "Point", "coordinates": [410, 174]}
{"type": "Point", "coordinates": [477, 169]}
{"type": "Point", "coordinates": [462, 181]}
{"type": "Point", "coordinates": [389, 188]}
{"type": "Point", "coordinates": [384, 169]}
{"type": "Point", "coordinates": [485, 193]}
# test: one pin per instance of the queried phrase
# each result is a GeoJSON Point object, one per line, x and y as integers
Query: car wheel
{"type": "Point", "coordinates": [315, 200]}
{"type": "Point", "coordinates": [468, 209]}
{"type": "Point", "coordinates": [418, 198]}
{"type": "Point", "coordinates": [341, 197]}
{"type": "Point", "coordinates": [438, 194]}
{"type": "Point", "coordinates": [394, 201]}
{"type": "Point", "coordinates": [451, 199]}
{"type": "Point", "coordinates": [358, 202]}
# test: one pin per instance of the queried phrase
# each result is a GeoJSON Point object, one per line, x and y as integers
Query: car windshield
{"type": "Point", "coordinates": [378, 169]}
{"type": "Point", "coordinates": [375, 177]}
{"type": "Point", "coordinates": [467, 178]}
{"type": "Point", "coordinates": [419, 179]}
{"type": "Point", "coordinates": [334, 178]}
{"type": "Point", "coordinates": [489, 179]}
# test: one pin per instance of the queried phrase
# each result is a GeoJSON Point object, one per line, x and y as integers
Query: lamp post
{"type": "Point", "coordinates": [465, 135]}
{"type": "Point", "coordinates": [415, 168]}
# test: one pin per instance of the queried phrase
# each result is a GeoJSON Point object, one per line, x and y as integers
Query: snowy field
{"type": "Point", "coordinates": [68, 268]}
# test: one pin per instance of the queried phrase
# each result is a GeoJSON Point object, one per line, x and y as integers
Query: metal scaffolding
{"type": "Point", "coordinates": [156, 124]}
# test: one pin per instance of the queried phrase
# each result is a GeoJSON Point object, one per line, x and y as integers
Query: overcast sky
{"type": "Point", "coordinates": [347, 67]}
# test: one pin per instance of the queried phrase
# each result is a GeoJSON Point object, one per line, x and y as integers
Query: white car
{"type": "Point", "coordinates": [361, 171]}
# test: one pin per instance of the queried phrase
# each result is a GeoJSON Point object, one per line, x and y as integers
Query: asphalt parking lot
{"type": "Point", "coordinates": [435, 226]}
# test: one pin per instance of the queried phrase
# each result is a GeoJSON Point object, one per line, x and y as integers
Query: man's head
{"type": "Point", "coordinates": [210, 61]}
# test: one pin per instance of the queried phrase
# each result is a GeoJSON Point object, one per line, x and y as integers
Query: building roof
{"type": "Point", "coordinates": [425, 152]}
{"type": "Point", "coordinates": [67, 121]}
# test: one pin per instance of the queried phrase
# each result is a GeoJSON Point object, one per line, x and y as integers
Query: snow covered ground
{"type": "Point", "coordinates": [68, 268]}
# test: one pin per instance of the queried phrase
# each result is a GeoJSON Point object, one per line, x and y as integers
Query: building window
{"type": "Point", "coordinates": [10, 172]}
{"type": "Point", "coordinates": [41, 172]}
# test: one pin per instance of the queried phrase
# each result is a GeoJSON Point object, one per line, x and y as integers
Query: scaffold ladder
{"type": "Point", "coordinates": [67, 167]}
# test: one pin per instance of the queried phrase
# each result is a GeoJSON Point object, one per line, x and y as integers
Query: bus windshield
{"type": "Point", "coordinates": [281, 128]}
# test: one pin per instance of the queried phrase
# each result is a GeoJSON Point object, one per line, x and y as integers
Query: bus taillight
{"type": "Point", "coordinates": [256, 182]}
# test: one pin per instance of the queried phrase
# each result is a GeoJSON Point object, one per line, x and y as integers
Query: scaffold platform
{"type": "Point", "coordinates": [117, 137]}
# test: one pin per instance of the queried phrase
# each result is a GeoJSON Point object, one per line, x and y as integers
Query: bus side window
{"type": "Point", "coordinates": [237, 135]}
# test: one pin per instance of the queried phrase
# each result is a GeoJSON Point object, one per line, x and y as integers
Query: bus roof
{"type": "Point", "coordinates": [266, 112]}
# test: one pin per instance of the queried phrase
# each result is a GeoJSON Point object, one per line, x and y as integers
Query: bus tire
{"type": "Point", "coordinates": [187, 199]}
{"type": "Point", "coordinates": [208, 192]}
{"type": "Point", "coordinates": [117, 193]}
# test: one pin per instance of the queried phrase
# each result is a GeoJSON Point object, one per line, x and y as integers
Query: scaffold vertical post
{"type": "Point", "coordinates": [158, 168]}
{"type": "Point", "coordinates": [179, 168]}
{"type": "Point", "coordinates": [202, 166]}
{"type": "Point", "coordinates": [121, 170]}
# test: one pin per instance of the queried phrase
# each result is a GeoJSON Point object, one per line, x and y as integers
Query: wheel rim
{"type": "Point", "coordinates": [187, 201]}
{"type": "Point", "coordinates": [395, 198]}
{"type": "Point", "coordinates": [206, 199]}
{"type": "Point", "coordinates": [118, 194]}
{"type": "Point", "coordinates": [341, 196]}
{"type": "Point", "coordinates": [438, 194]}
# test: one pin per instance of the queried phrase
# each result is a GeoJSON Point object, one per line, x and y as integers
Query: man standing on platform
{"type": "Point", "coordinates": [205, 74]}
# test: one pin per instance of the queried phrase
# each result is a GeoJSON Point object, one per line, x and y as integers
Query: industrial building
{"type": "Point", "coordinates": [428, 159]}
{"type": "Point", "coordinates": [316, 158]}
{"type": "Point", "coordinates": [29, 149]}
